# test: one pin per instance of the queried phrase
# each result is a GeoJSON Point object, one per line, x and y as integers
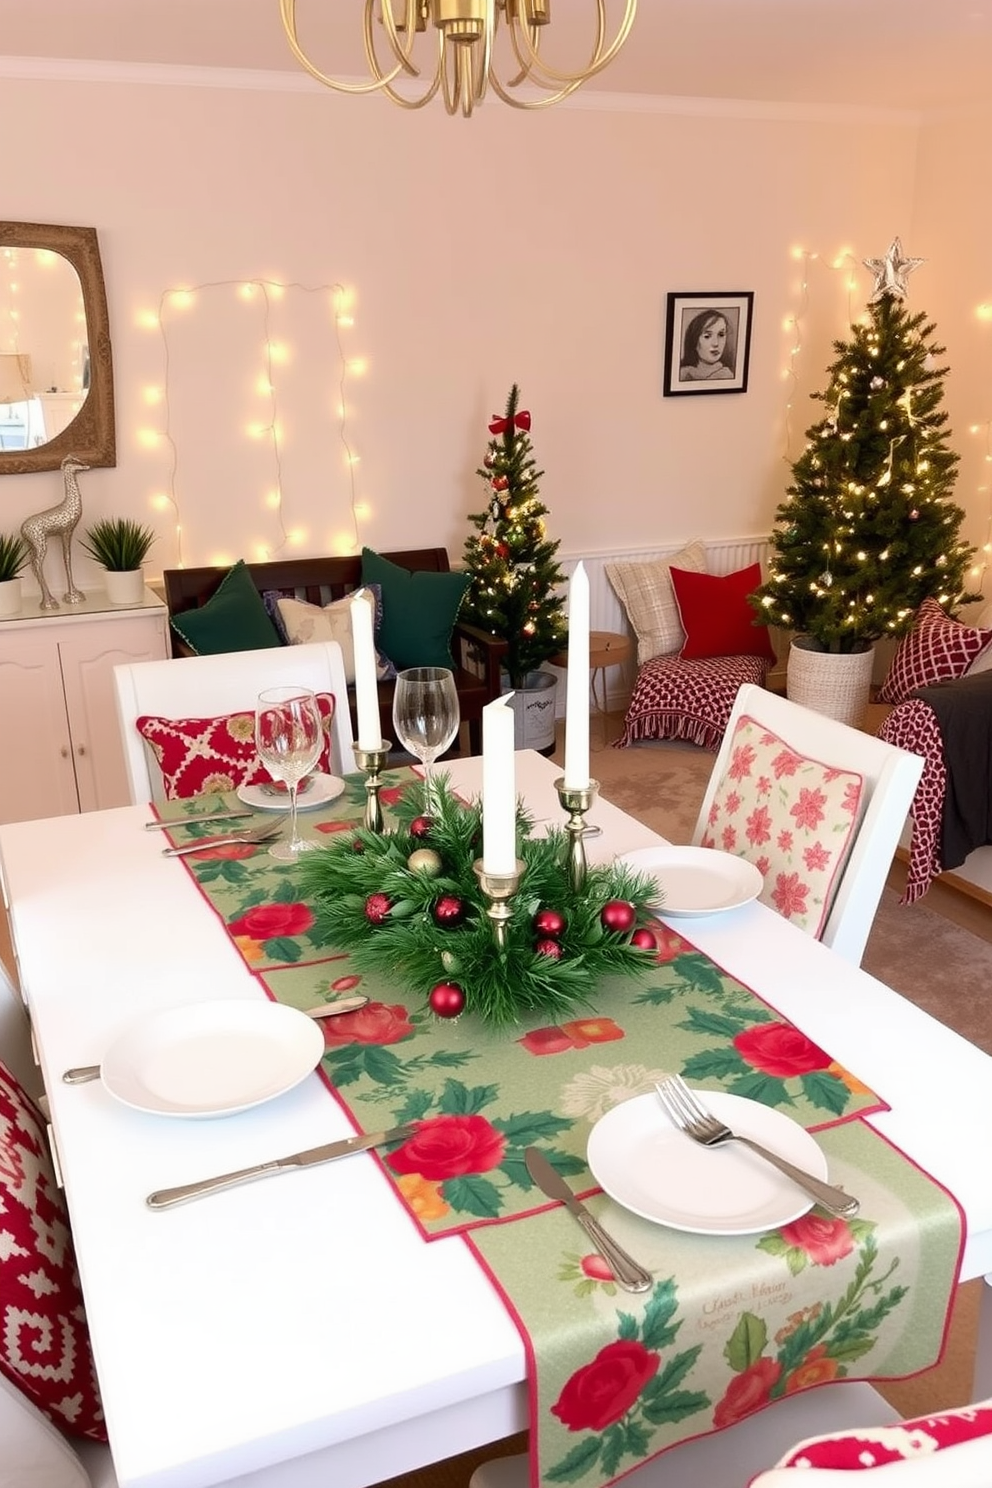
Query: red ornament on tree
{"type": "Point", "coordinates": [502, 550]}
{"type": "Point", "coordinates": [446, 999]}
{"type": "Point", "coordinates": [377, 907]}
{"type": "Point", "coordinates": [643, 939]}
{"type": "Point", "coordinates": [500, 482]}
{"type": "Point", "coordinates": [421, 826]}
{"type": "Point", "coordinates": [618, 915]}
{"type": "Point", "coordinates": [549, 948]}
{"type": "Point", "coordinates": [449, 910]}
{"type": "Point", "coordinates": [550, 922]}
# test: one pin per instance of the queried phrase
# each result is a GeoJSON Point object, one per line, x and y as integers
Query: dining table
{"type": "Point", "coordinates": [302, 1325]}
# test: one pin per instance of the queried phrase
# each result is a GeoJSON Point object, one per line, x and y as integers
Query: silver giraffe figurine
{"type": "Point", "coordinates": [57, 521]}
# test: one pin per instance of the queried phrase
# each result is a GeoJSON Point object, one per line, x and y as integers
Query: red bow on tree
{"type": "Point", "coordinates": [500, 425]}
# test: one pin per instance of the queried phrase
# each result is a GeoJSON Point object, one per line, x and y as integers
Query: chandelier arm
{"type": "Point", "coordinates": [287, 11]}
{"type": "Point", "coordinates": [403, 54]}
{"type": "Point", "coordinates": [527, 54]}
{"type": "Point", "coordinates": [532, 103]}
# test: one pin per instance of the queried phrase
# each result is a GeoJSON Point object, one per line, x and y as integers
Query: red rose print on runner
{"type": "Point", "coordinates": [816, 1369]}
{"type": "Point", "coordinates": [747, 1391]}
{"type": "Point", "coordinates": [450, 1147]}
{"type": "Point", "coordinates": [375, 1023]}
{"type": "Point", "coordinates": [268, 921]}
{"type": "Point", "coordinates": [824, 1240]}
{"type": "Point", "coordinates": [601, 1392]}
{"type": "Point", "coordinates": [335, 826]}
{"type": "Point", "coordinates": [228, 850]}
{"type": "Point", "coordinates": [780, 1050]}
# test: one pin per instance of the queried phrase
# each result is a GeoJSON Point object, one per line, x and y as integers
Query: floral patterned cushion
{"type": "Point", "coordinates": [937, 649]}
{"type": "Point", "coordinates": [791, 816]}
{"type": "Point", "coordinates": [44, 1344]}
{"type": "Point", "coordinates": [210, 755]}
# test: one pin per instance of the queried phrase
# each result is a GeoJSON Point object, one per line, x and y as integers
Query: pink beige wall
{"type": "Point", "coordinates": [535, 248]}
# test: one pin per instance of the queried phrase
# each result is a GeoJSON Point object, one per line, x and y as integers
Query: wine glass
{"type": "Point", "coordinates": [426, 715]}
{"type": "Point", "coordinates": [288, 737]}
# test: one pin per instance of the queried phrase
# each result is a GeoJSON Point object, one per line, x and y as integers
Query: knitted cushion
{"type": "Point", "coordinates": [44, 1344]}
{"type": "Point", "coordinates": [645, 591]}
{"type": "Point", "coordinates": [209, 755]}
{"type": "Point", "coordinates": [791, 816]}
{"type": "Point", "coordinates": [918, 1440]}
{"type": "Point", "coordinates": [676, 699]}
{"type": "Point", "coordinates": [935, 650]}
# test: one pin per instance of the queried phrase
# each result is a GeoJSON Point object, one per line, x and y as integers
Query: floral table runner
{"type": "Point", "coordinates": [614, 1378]}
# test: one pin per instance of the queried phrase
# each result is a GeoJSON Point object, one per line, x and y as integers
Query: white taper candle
{"type": "Point", "coordinates": [577, 683]}
{"type": "Point", "coordinates": [366, 681]}
{"type": "Point", "coordinates": [499, 790]}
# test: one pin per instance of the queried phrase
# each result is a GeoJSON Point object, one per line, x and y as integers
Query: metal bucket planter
{"type": "Point", "coordinates": [534, 711]}
{"type": "Point", "coordinates": [837, 685]}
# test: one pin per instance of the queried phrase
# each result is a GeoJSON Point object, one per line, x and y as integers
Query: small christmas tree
{"type": "Point", "coordinates": [868, 531]}
{"type": "Point", "coordinates": [514, 576]}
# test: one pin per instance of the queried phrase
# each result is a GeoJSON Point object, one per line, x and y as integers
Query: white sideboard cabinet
{"type": "Point", "coordinates": [60, 748]}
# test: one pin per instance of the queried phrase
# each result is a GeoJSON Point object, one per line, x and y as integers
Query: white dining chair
{"type": "Point", "coordinates": [890, 777]}
{"type": "Point", "coordinates": [208, 686]}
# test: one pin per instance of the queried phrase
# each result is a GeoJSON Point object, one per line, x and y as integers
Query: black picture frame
{"type": "Point", "coordinates": [729, 374]}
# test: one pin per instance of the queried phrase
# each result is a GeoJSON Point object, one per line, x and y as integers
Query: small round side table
{"type": "Point", "coordinates": [607, 648]}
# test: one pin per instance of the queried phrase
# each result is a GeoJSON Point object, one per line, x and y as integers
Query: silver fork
{"type": "Point", "coordinates": [253, 835]}
{"type": "Point", "coordinates": [690, 1116]}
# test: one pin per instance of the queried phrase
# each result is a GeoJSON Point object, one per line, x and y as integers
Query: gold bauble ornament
{"type": "Point", "coordinates": [425, 860]}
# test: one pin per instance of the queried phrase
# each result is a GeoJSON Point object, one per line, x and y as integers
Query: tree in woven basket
{"type": "Point", "coordinates": [516, 584]}
{"type": "Point", "coordinates": [868, 531]}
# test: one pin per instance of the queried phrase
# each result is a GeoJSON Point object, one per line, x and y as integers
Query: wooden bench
{"type": "Point", "coordinates": [477, 654]}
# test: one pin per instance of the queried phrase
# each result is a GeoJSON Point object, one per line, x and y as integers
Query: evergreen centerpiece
{"type": "Point", "coordinates": [118, 544]}
{"type": "Point", "coordinates": [408, 905]}
{"type": "Point", "coordinates": [515, 590]}
{"type": "Point", "coordinates": [869, 531]}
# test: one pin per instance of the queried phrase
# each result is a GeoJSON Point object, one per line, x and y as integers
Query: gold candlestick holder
{"type": "Point", "coordinates": [373, 762]}
{"type": "Point", "coordinates": [576, 803]}
{"type": "Point", "coordinates": [499, 889]}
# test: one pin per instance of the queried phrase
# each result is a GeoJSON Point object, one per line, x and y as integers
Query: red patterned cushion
{"type": "Point", "coordinates": [935, 650]}
{"type": "Point", "coordinates": [210, 755]}
{"type": "Point", "coordinates": [716, 617]}
{"type": "Point", "coordinates": [676, 699]}
{"type": "Point", "coordinates": [907, 1440]}
{"type": "Point", "coordinates": [791, 816]}
{"type": "Point", "coordinates": [44, 1345]}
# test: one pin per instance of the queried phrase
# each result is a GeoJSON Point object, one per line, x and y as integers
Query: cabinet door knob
{"type": "Point", "coordinates": [64, 752]}
{"type": "Point", "coordinates": [81, 749]}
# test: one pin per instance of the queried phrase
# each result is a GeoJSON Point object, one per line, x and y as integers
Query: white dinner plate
{"type": "Point", "coordinates": [696, 880]}
{"type": "Point", "coordinates": [322, 788]}
{"type": "Point", "coordinates": [212, 1058]}
{"type": "Point", "coordinates": [640, 1160]}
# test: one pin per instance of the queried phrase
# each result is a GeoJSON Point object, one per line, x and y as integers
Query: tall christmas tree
{"type": "Point", "coordinates": [868, 531]}
{"type": "Point", "coordinates": [515, 584]}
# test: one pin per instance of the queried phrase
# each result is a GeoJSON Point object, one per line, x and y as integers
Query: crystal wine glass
{"type": "Point", "coordinates": [426, 715]}
{"type": "Point", "coordinates": [288, 737]}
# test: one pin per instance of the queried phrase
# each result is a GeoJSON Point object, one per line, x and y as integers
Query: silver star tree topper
{"type": "Point", "coordinates": [891, 272]}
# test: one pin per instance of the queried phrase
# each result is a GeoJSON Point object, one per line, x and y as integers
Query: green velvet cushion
{"type": "Point", "coordinates": [419, 611]}
{"type": "Point", "coordinates": [234, 618]}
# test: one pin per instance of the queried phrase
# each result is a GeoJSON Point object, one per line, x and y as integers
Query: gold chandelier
{"type": "Point", "coordinates": [464, 50]}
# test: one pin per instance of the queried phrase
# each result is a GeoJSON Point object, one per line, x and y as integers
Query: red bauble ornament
{"type": "Point", "coordinates": [487, 461]}
{"type": "Point", "coordinates": [549, 948]}
{"type": "Point", "coordinates": [449, 910]}
{"type": "Point", "coordinates": [502, 550]}
{"type": "Point", "coordinates": [618, 915]}
{"type": "Point", "coordinates": [446, 999]}
{"type": "Point", "coordinates": [421, 826]}
{"type": "Point", "coordinates": [500, 482]}
{"type": "Point", "coordinates": [550, 922]}
{"type": "Point", "coordinates": [644, 939]}
{"type": "Point", "coordinates": [377, 907]}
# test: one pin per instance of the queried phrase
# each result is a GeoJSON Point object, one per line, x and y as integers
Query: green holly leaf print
{"type": "Point", "coordinates": [658, 1394]}
{"type": "Point", "coordinates": [770, 1090]}
{"type": "Point", "coordinates": [350, 1064]}
{"type": "Point", "coordinates": [657, 1329]}
{"type": "Point", "coordinates": [457, 1099]}
{"type": "Point", "coordinates": [825, 1091]}
{"type": "Point", "coordinates": [676, 1407]}
{"type": "Point", "coordinates": [533, 1128]}
{"type": "Point", "coordinates": [747, 1342]}
{"type": "Point", "coordinates": [473, 1195]}
{"type": "Point", "coordinates": [626, 1439]}
{"type": "Point", "coordinates": [224, 870]}
{"type": "Point", "coordinates": [697, 974]}
{"type": "Point", "coordinates": [415, 1107]}
{"type": "Point", "coordinates": [715, 1064]}
{"type": "Point", "coordinates": [281, 948]}
{"type": "Point", "coordinates": [576, 1463]}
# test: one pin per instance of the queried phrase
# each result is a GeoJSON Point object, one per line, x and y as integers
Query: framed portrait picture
{"type": "Point", "coordinates": [707, 342]}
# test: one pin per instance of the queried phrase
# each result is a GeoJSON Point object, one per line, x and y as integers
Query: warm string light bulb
{"type": "Point", "coordinates": [793, 326]}
{"type": "Point", "coordinates": [257, 296]}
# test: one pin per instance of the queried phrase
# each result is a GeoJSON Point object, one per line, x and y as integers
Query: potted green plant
{"type": "Point", "coordinates": [120, 546]}
{"type": "Point", "coordinates": [13, 556]}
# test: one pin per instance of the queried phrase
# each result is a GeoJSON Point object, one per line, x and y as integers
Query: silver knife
{"type": "Point", "coordinates": [192, 821]}
{"type": "Point", "coordinates": [164, 1198]}
{"type": "Point", "coordinates": [628, 1274]}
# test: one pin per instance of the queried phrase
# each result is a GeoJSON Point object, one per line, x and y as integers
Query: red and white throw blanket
{"type": "Point", "coordinates": [913, 725]}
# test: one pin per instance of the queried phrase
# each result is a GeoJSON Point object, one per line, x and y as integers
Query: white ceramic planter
{"type": "Point", "coordinates": [534, 711]}
{"type": "Point", "coordinates": [10, 597]}
{"type": "Point", "coordinates": [838, 686]}
{"type": "Point", "coordinates": [125, 588]}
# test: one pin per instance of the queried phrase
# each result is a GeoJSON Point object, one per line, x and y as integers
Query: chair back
{"type": "Point", "coordinates": [210, 686]}
{"type": "Point", "coordinates": [890, 776]}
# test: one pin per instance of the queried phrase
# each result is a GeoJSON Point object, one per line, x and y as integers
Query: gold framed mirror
{"type": "Point", "coordinates": [63, 389]}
